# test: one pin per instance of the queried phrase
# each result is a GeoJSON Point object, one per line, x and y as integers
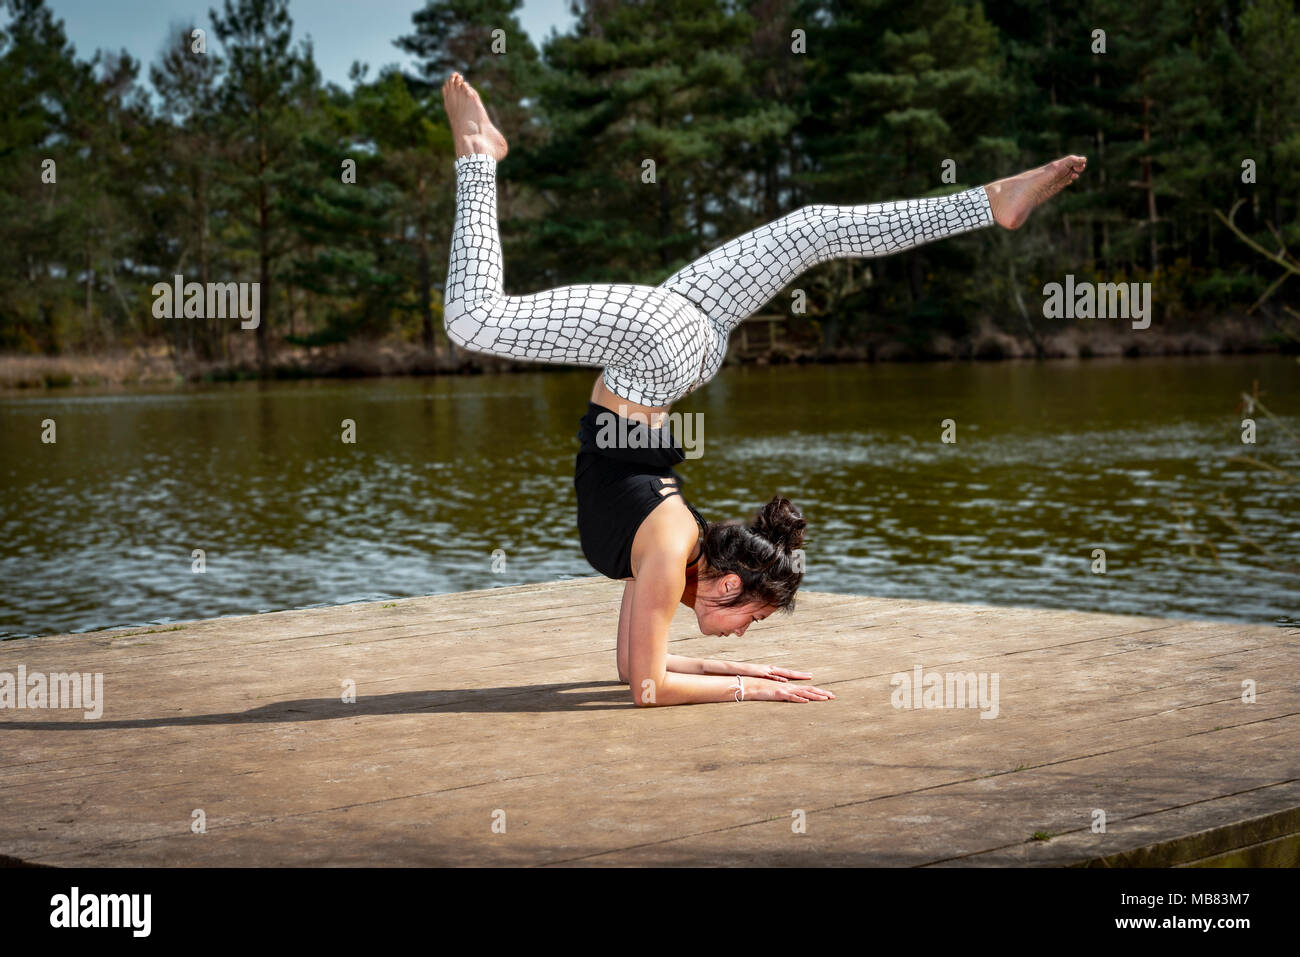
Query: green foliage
{"type": "Point", "coordinates": [228, 166]}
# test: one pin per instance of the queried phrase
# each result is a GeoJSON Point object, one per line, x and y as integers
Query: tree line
{"type": "Point", "coordinates": [642, 137]}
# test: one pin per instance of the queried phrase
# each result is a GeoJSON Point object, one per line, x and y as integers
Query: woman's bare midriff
{"type": "Point", "coordinates": [653, 414]}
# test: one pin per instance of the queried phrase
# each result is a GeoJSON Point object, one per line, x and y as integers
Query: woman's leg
{"type": "Point", "coordinates": [739, 277]}
{"type": "Point", "coordinates": [651, 341]}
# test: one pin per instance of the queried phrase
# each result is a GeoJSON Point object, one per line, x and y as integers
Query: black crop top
{"type": "Point", "coordinates": [619, 485]}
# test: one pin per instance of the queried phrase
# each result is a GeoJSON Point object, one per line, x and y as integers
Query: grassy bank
{"type": "Point", "coordinates": [154, 365]}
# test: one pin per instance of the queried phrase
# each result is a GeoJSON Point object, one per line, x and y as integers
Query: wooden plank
{"type": "Point", "coordinates": [506, 700]}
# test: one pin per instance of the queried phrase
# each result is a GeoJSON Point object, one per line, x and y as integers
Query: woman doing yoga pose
{"type": "Point", "coordinates": [654, 345]}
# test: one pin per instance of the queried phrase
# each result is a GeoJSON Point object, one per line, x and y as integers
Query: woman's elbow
{"type": "Point", "coordinates": [645, 690]}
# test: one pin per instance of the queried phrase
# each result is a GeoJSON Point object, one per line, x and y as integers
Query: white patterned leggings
{"type": "Point", "coordinates": [659, 343]}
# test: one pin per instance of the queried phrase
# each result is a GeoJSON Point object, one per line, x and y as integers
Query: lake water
{"type": "Point", "coordinates": [1052, 460]}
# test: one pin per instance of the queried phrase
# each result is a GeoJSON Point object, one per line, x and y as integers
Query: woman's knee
{"type": "Point", "coordinates": [818, 210]}
{"type": "Point", "coordinates": [816, 229]}
{"type": "Point", "coordinates": [462, 320]}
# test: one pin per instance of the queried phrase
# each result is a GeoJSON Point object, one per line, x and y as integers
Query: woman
{"type": "Point", "coordinates": [656, 344]}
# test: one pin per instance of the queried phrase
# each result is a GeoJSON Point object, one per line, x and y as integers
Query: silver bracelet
{"type": "Point", "coordinates": [739, 694]}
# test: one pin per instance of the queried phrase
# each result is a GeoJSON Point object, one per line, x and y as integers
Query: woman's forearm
{"type": "Point", "coordinates": [685, 665]}
{"type": "Point", "coordinates": [679, 688]}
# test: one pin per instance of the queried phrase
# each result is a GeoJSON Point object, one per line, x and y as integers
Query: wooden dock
{"type": "Point", "coordinates": [503, 706]}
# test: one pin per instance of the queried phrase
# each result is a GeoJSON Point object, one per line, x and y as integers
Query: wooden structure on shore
{"type": "Point", "coordinates": [760, 335]}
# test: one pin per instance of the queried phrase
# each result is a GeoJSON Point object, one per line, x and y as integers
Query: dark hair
{"type": "Point", "coordinates": [761, 553]}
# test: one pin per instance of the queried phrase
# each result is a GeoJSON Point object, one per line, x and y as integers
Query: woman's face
{"type": "Point", "coordinates": [725, 621]}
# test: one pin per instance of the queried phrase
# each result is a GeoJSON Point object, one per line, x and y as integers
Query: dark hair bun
{"type": "Point", "coordinates": [780, 523]}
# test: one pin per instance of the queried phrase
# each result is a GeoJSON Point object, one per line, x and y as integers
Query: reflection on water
{"type": "Point", "coordinates": [1052, 461]}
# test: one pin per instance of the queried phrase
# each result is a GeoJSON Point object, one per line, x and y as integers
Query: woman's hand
{"type": "Point", "coordinates": [768, 690]}
{"type": "Point", "coordinates": [771, 672]}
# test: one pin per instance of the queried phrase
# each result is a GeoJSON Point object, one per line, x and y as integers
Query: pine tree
{"type": "Point", "coordinates": [265, 89]}
{"type": "Point", "coordinates": [185, 167]}
{"type": "Point", "coordinates": [41, 85]}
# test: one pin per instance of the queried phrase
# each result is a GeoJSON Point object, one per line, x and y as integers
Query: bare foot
{"type": "Point", "coordinates": [1015, 197]}
{"type": "Point", "coordinates": [471, 129]}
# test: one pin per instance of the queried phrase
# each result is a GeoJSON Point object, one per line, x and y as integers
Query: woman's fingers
{"type": "Point", "coordinates": [796, 675]}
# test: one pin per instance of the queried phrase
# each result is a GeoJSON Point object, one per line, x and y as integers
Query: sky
{"type": "Point", "coordinates": [341, 30]}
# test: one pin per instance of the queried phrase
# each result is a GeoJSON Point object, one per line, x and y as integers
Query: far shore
{"type": "Point", "coordinates": [154, 365]}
